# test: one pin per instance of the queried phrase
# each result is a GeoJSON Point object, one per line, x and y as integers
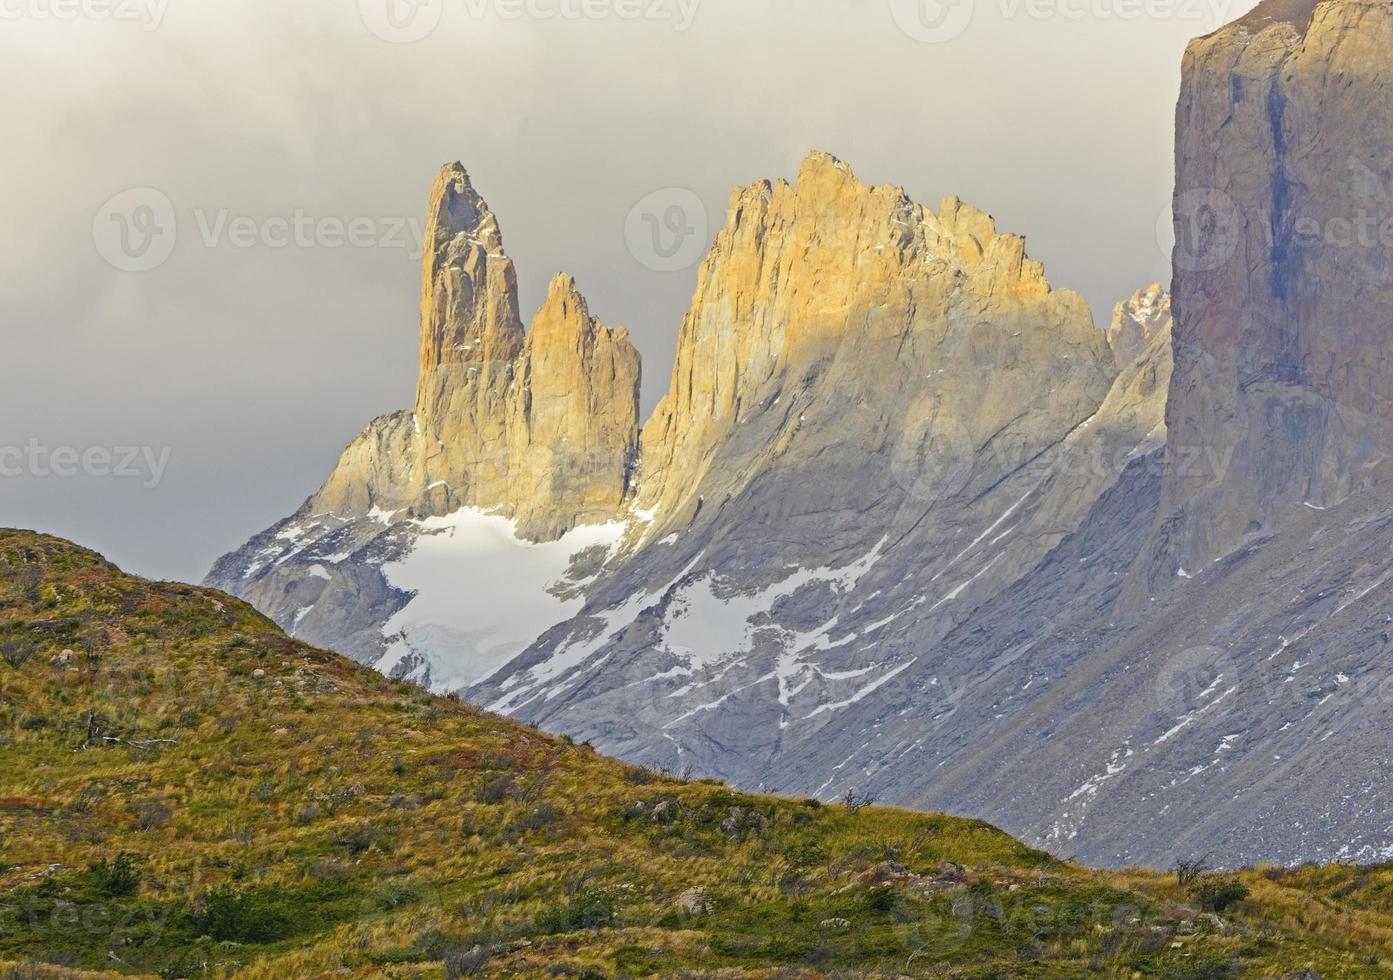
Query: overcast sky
{"type": "Point", "coordinates": [243, 355]}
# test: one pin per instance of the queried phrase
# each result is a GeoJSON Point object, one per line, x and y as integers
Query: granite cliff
{"type": "Point", "coordinates": [1283, 276]}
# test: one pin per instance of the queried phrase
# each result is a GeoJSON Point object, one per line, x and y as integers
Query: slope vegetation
{"type": "Point", "coordinates": [186, 792]}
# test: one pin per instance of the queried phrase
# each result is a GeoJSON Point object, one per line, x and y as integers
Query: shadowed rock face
{"type": "Point", "coordinates": [1284, 277]}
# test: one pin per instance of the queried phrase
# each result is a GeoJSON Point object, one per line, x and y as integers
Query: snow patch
{"type": "Point", "coordinates": [481, 594]}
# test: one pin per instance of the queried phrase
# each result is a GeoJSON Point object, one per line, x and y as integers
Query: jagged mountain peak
{"type": "Point", "coordinates": [858, 218]}
{"type": "Point", "coordinates": [469, 292]}
{"type": "Point", "coordinates": [1136, 321]}
{"type": "Point", "coordinates": [457, 206]}
{"type": "Point", "coordinates": [824, 278]}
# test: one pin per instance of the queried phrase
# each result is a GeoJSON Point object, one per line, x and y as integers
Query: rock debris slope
{"type": "Point", "coordinates": [880, 417]}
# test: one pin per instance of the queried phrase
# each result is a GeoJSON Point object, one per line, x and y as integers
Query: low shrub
{"type": "Point", "coordinates": [588, 910]}
{"type": "Point", "coordinates": [114, 879]}
{"type": "Point", "coordinates": [257, 915]}
{"type": "Point", "coordinates": [1216, 894]}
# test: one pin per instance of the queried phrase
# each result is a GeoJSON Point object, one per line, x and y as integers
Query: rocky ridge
{"type": "Point", "coordinates": [901, 527]}
{"type": "Point", "coordinates": [538, 428]}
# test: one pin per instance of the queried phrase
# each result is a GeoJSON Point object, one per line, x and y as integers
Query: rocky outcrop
{"type": "Point", "coordinates": [1283, 278]}
{"type": "Point", "coordinates": [1135, 321]}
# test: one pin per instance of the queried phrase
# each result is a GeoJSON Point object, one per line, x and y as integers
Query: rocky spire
{"type": "Point", "coordinates": [469, 301]}
{"type": "Point", "coordinates": [539, 427]}
{"type": "Point", "coordinates": [573, 425]}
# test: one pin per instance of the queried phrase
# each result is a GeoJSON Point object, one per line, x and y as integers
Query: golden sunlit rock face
{"type": "Point", "coordinates": [934, 315]}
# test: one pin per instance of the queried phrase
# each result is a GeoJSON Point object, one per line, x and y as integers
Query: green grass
{"type": "Point", "coordinates": [191, 794]}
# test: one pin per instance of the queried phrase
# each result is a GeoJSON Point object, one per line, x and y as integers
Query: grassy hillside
{"type": "Point", "coordinates": [185, 792]}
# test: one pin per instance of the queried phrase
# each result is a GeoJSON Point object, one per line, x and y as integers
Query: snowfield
{"type": "Point", "coordinates": [481, 595]}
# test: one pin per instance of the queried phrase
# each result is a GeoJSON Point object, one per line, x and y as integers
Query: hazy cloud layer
{"type": "Point", "coordinates": [292, 146]}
